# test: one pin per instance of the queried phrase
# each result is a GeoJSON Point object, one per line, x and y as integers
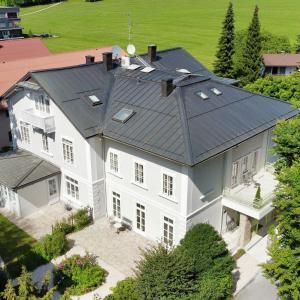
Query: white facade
{"type": "Point", "coordinates": [161, 199]}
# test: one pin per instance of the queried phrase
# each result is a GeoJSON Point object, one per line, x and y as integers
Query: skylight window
{"type": "Point", "coordinates": [94, 99]}
{"type": "Point", "coordinates": [184, 71]}
{"type": "Point", "coordinates": [202, 95]}
{"type": "Point", "coordinates": [133, 67]}
{"type": "Point", "coordinates": [147, 69]}
{"type": "Point", "coordinates": [216, 91]}
{"type": "Point", "coordinates": [123, 115]}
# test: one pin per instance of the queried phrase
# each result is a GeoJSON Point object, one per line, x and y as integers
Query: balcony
{"type": "Point", "coordinates": [241, 197]}
{"type": "Point", "coordinates": [39, 120]}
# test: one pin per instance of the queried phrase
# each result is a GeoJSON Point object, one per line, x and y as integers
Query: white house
{"type": "Point", "coordinates": [281, 63]}
{"type": "Point", "coordinates": [160, 143]}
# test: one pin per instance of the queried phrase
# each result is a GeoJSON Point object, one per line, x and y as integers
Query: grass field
{"type": "Point", "coordinates": [193, 24]}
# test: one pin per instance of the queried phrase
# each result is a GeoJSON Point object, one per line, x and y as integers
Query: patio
{"type": "Point", "coordinates": [121, 251]}
{"type": "Point", "coordinates": [39, 223]}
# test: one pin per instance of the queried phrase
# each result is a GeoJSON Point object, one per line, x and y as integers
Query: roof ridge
{"type": "Point", "coordinates": [29, 172]}
{"type": "Point", "coordinates": [185, 127]}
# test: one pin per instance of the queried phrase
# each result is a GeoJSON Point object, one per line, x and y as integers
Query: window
{"type": "Point", "coordinates": [68, 151]}
{"type": "Point", "coordinates": [95, 100]}
{"type": "Point", "coordinates": [72, 187]}
{"type": "Point", "coordinates": [168, 231]}
{"type": "Point", "coordinates": [234, 173]}
{"type": "Point", "coordinates": [167, 185]}
{"type": "Point", "coordinates": [216, 91]}
{"type": "Point", "coordinates": [10, 136]}
{"type": "Point", "coordinates": [123, 115]}
{"type": "Point", "coordinates": [42, 103]}
{"type": "Point", "coordinates": [116, 205]}
{"type": "Point", "coordinates": [52, 187]}
{"type": "Point", "coordinates": [202, 95]}
{"type": "Point", "coordinates": [45, 142]}
{"type": "Point", "coordinates": [7, 113]}
{"type": "Point", "coordinates": [254, 162]}
{"type": "Point", "coordinates": [140, 217]}
{"type": "Point", "coordinates": [114, 162]}
{"type": "Point", "coordinates": [139, 173]}
{"type": "Point", "coordinates": [25, 132]}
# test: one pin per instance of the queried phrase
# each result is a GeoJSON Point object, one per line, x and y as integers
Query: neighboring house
{"type": "Point", "coordinates": [5, 136]}
{"type": "Point", "coordinates": [9, 23]}
{"type": "Point", "coordinates": [160, 143]}
{"type": "Point", "coordinates": [281, 64]}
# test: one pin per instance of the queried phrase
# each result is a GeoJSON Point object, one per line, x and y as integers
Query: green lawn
{"type": "Point", "coordinates": [16, 248]}
{"type": "Point", "coordinates": [193, 24]}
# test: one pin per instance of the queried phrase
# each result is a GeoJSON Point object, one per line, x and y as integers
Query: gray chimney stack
{"type": "Point", "coordinates": [152, 53]}
{"type": "Point", "coordinates": [89, 59]}
{"type": "Point", "coordinates": [167, 87]}
{"type": "Point", "coordinates": [107, 60]}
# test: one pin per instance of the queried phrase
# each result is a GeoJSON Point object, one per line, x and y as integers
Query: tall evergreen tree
{"type": "Point", "coordinates": [223, 65]}
{"type": "Point", "coordinates": [252, 56]}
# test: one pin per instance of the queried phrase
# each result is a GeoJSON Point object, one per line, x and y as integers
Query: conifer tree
{"type": "Point", "coordinates": [252, 56]}
{"type": "Point", "coordinates": [223, 65]}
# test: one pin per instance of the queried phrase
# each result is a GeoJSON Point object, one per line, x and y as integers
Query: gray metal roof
{"type": "Point", "coordinates": [181, 127]}
{"type": "Point", "coordinates": [21, 168]}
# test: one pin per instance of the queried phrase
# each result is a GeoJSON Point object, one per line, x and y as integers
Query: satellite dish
{"type": "Point", "coordinates": [131, 49]}
{"type": "Point", "coordinates": [116, 50]}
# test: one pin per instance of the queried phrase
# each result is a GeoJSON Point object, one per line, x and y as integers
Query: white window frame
{"type": "Point", "coordinates": [25, 134]}
{"type": "Point", "coordinates": [168, 190]}
{"type": "Point", "coordinates": [72, 188]}
{"type": "Point", "coordinates": [139, 175]}
{"type": "Point", "coordinates": [45, 143]}
{"type": "Point", "coordinates": [42, 103]}
{"type": "Point", "coordinates": [116, 205]}
{"type": "Point", "coordinates": [140, 217]}
{"type": "Point", "coordinates": [167, 235]}
{"type": "Point", "coordinates": [114, 162]}
{"type": "Point", "coordinates": [68, 150]}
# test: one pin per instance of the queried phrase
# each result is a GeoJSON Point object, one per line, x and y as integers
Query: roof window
{"type": "Point", "coordinates": [133, 67]}
{"type": "Point", "coordinates": [202, 95]}
{"type": "Point", "coordinates": [95, 100]}
{"type": "Point", "coordinates": [216, 91]}
{"type": "Point", "coordinates": [184, 71]}
{"type": "Point", "coordinates": [147, 69]}
{"type": "Point", "coordinates": [123, 115]}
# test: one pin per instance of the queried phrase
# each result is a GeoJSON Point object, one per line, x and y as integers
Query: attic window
{"type": "Point", "coordinates": [95, 100]}
{"type": "Point", "coordinates": [123, 115]}
{"type": "Point", "coordinates": [147, 69]}
{"type": "Point", "coordinates": [184, 71]}
{"type": "Point", "coordinates": [133, 67]}
{"type": "Point", "coordinates": [216, 91]}
{"type": "Point", "coordinates": [202, 95]}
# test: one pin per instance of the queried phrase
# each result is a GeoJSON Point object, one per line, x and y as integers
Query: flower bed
{"type": "Point", "coordinates": [78, 275]}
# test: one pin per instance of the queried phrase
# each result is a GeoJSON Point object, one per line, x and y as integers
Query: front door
{"type": "Point", "coordinates": [53, 190]}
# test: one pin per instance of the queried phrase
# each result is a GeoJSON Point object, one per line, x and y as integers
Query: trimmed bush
{"type": "Point", "coordinates": [78, 275]}
{"type": "Point", "coordinates": [82, 218]}
{"type": "Point", "coordinates": [239, 254]}
{"type": "Point", "coordinates": [163, 272]}
{"type": "Point", "coordinates": [125, 290]}
{"type": "Point", "coordinates": [257, 202]}
{"type": "Point", "coordinates": [52, 245]}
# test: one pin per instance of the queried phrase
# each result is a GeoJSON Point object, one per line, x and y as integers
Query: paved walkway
{"type": "Point", "coordinates": [39, 223]}
{"type": "Point", "coordinates": [121, 251]}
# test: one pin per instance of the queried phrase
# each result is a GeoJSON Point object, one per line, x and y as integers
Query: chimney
{"type": "Point", "coordinates": [167, 87]}
{"type": "Point", "coordinates": [107, 60]}
{"type": "Point", "coordinates": [152, 53]}
{"type": "Point", "coordinates": [89, 59]}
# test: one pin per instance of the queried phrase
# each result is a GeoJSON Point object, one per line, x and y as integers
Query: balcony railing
{"type": "Point", "coordinates": [242, 197]}
{"type": "Point", "coordinates": [39, 120]}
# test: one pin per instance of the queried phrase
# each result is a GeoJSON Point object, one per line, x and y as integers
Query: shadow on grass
{"type": "Point", "coordinates": [17, 248]}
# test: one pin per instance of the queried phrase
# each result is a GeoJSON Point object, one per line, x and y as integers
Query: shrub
{"type": "Point", "coordinates": [205, 246]}
{"type": "Point", "coordinates": [239, 254]}
{"type": "Point", "coordinates": [125, 290]}
{"type": "Point", "coordinates": [52, 245]}
{"type": "Point", "coordinates": [257, 202]}
{"type": "Point", "coordinates": [65, 226]}
{"type": "Point", "coordinates": [163, 272]}
{"type": "Point", "coordinates": [3, 278]}
{"type": "Point", "coordinates": [82, 218]}
{"type": "Point", "coordinates": [78, 275]}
